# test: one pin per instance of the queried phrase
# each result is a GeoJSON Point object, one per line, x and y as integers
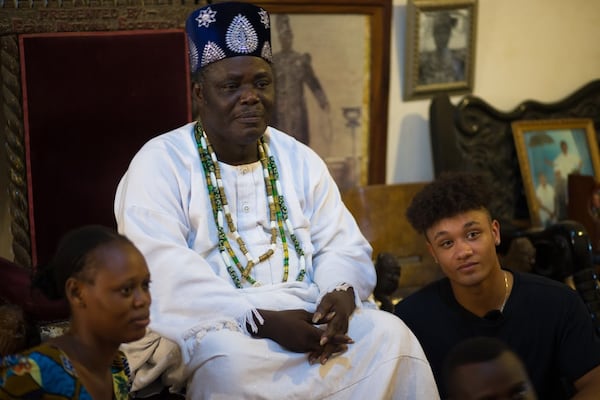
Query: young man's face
{"type": "Point", "coordinates": [465, 246]}
{"type": "Point", "coordinates": [501, 378]}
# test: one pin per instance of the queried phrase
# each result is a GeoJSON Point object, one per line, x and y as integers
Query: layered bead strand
{"type": "Point", "coordinates": [279, 221]}
{"type": "Point", "coordinates": [277, 201]}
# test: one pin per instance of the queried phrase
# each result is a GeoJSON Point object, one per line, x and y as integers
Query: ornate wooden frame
{"type": "Point", "coordinates": [532, 137]}
{"type": "Point", "coordinates": [419, 10]}
{"type": "Point", "coordinates": [45, 16]}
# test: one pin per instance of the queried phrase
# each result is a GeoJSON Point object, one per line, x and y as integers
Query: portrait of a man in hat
{"type": "Point", "coordinates": [443, 50]}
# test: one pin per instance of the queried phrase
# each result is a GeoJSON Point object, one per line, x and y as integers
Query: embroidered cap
{"type": "Point", "coordinates": [224, 30]}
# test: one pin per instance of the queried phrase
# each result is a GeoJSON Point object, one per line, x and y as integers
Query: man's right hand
{"type": "Point", "coordinates": [294, 330]}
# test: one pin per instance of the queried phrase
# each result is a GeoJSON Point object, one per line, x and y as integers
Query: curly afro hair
{"type": "Point", "coordinates": [451, 194]}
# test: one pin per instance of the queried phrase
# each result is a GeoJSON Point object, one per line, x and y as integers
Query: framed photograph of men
{"type": "Point", "coordinates": [440, 47]}
{"type": "Point", "coordinates": [549, 151]}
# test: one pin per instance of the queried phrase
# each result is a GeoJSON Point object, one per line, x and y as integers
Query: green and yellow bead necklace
{"type": "Point", "coordinates": [221, 213]}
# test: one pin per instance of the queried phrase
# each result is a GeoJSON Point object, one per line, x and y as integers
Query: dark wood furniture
{"type": "Point", "coordinates": [379, 212]}
{"type": "Point", "coordinates": [473, 135]}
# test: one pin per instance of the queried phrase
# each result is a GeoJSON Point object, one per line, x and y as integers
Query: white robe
{"type": "Point", "coordinates": [162, 205]}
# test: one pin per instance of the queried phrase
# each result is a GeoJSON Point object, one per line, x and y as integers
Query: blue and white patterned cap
{"type": "Point", "coordinates": [230, 29]}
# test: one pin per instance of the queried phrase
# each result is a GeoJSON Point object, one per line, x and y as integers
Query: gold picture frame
{"type": "Point", "coordinates": [350, 38]}
{"type": "Point", "coordinates": [440, 47]}
{"type": "Point", "coordinates": [548, 152]}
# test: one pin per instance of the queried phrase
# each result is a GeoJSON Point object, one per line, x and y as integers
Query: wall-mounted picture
{"type": "Point", "coordinates": [548, 152]}
{"type": "Point", "coordinates": [312, 94]}
{"type": "Point", "coordinates": [440, 47]}
{"type": "Point", "coordinates": [340, 112]}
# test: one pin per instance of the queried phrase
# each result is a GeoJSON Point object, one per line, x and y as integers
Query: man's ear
{"type": "Point", "coordinates": [430, 248]}
{"type": "Point", "coordinates": [496, 231]}
{"type": "Point", "coordinates": [73, 291]}
{"type": "Point", "coordinates": [197, 92]}
{"type": "Point", "coordinates": [198, 99]}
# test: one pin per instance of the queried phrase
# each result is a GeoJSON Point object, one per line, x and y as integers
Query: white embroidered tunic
{"type": "Point", "coordinates": [162, 205]}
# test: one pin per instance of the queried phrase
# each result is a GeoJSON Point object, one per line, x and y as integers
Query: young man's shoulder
{"type": "Point", "coordinates": [541, 282]}
{"type": "Point", "coordinates": [430, 294]}
{"type": "Point", "coordinates": [537, 289]}
{"type": "Point", "coordinates": [530, 284]}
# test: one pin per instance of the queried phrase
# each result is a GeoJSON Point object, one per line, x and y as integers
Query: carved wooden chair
{"type": "Point", "coordinates": [379, 211]}
{"type": "Point", "coordinates": [474, 136]}
{"type": "Point", "coordinates": [76, 107]}
{"type": "Point", "coordinates": [97, 99]}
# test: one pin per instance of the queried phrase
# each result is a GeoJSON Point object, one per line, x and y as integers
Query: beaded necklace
{"type": "Point", "coordinates": [505, 291]}
{"type": "Point", "coordinates": [278, 215]}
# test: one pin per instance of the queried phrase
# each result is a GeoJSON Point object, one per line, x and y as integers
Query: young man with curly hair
{"type": "Point", "coordinates": [545, 322]}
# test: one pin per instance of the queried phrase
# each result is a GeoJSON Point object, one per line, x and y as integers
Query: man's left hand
{"type": "Point", "coordinates": [334, 310]}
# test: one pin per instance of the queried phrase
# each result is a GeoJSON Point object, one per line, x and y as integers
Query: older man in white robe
{"type": "Point", "coordinates": [260, 275]}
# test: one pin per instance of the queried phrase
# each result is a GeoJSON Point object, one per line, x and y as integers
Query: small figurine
{"type": "Point", "coordinates": [388, 276]}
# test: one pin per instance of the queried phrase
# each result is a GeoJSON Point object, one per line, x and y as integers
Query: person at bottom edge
{"type": "Point", "coordinates": [485, 368]}
{"type": "Point", "coordinates": [544, 321]}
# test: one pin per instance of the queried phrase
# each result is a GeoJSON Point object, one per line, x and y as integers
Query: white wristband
{"type": "Point", "coordinates": [342, 286]}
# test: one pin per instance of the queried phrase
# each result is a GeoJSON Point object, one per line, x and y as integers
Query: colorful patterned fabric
{"type": "Point", "coordinates": [45, 372]}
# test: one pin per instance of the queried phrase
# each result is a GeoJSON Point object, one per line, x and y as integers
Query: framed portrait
{"type": "Point", "coordinates": [331, 64]}
{"type": "Point", "coordinates": [440, 47]}
{"type": "Point", "coordinates": [549, 151]}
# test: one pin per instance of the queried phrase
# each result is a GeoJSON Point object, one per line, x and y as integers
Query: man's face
{"type": "Point", "coordinates": [503, 378]}
{"type": "Point", "coordinates": [235, 101]}
{"type": "Point", "coordinates": [441, 35]}
{"type": "Point", "coordinates": [465, 246]}
{"type": "Point", "coordinates": [542, 179]}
